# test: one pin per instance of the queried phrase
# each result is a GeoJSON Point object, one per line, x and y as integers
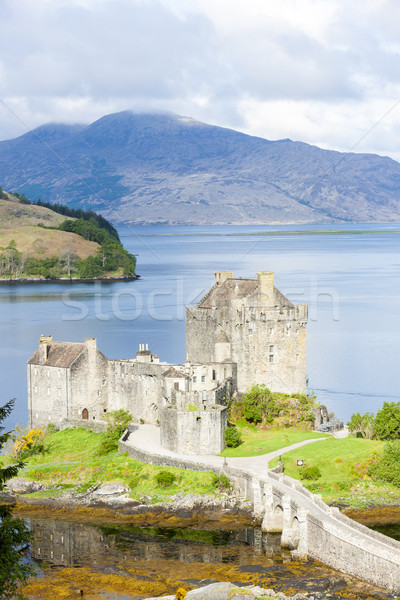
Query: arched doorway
{"type": "Point", "coordinates": [85, 414]}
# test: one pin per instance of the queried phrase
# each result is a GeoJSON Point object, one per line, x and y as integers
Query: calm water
{"type": "Point", "coordinates": [351, 283]}
{"type": "Point", "coordinates": [163, 557]}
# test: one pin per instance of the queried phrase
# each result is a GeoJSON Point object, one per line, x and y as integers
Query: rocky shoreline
{"type": "Point", "coordinates": [69, 279]}
{"type": "Point", "coordinates": [110, 502]}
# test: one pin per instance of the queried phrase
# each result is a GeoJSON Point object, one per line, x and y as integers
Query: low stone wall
{"type": "Point", "coordinates": [97, 426]}
{"type": "Point", "coordinates": [308, 525]}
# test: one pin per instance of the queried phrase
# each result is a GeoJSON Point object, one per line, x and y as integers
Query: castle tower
{"type": "Point", "coordinates": [251, 323]}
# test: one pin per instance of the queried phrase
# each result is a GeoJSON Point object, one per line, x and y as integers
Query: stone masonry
{"type": "Point", "coordinates": [244, 331]}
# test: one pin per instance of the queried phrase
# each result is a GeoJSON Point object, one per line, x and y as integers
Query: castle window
{"type": "Point", "coordinates": [35, 371]}
{"type": "Point", "coordinates": [59, 392]}
{"type": "Point", "coordinates": [48, 373]}
{"type": "Point", "coordinates": [104, 410]}
{"type": "Point", "coordinates": [203, 378]}
{"type": "Point", "coordinates": [271, 348]}
{"type": "Point", "coordinates": [48, 391]}
{"type": "Point", "coordinates": [250, 331]}
{"type": "Point", "coordinates": [271, 330]}
{"type": "Point", "coordinates": [214, 375]}
{"type": "Point", "coordinates": [194, 379]}
{"type": "Point", "coordinates": [59, 374]}
{"type": "Point", "coordinates": [35, 389]}
{"type": "Point", "coordinates": [271, 358]}
{"type": "Point", "coordinates": [176, 385]}
{"type": "Point", "coordinates": [198, 418]}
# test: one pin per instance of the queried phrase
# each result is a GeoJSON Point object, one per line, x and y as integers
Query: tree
{"type": "Point", "coordinates": [14, 534]}
{"type": "Point", "coordinates": [68, 260]}
{"type": "Point", "coordinates": [363, 424]}
{"type": "Point", "coordinates": [387, 421]}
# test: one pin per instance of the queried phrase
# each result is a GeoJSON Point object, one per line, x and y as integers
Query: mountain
{"type": "Point", "coordinates": [163, 168]}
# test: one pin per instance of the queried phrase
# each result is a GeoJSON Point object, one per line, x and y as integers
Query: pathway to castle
{"type": "Point", "coordinates": [307, 524]}
{"type": "Point", "coordinates": [147, 439]}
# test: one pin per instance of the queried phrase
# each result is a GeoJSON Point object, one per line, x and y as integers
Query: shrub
{"type": "Point", "coordinates": [310, 473]}
{"type": "Point", "coordinates": [221, 481]}
{"type": "Point", "coordinates": [387, 468]}
{"type": "Point", "coordinates": [117, 422]}
{"type": "Point", "coordinates": [224, 482]}
{"type": "Point", "coordinates": [28, 442]}
{"type": "Point", "coordinates": [165, 478]}
{"type": "Point", "coordinates": [232, 437]}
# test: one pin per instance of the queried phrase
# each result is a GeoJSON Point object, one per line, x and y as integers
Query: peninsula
{"type": "Point", "coordinates": [41, 242]}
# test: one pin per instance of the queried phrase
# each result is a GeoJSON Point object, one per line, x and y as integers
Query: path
{"type": "Point", "coordinates": [147, 438]}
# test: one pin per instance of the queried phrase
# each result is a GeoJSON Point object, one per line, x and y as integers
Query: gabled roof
{"type": "Point", "coordinates": [238, 288]}
{"type": "Point", "coordinates": [174, 373]}
{"type": "Point", "coordinates": [59, 354]}
{"type": "Point", "coordinates": [231, 288]}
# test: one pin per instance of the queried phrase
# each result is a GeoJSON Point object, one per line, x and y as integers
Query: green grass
{"type": "Point", "coordinates": [71, 463]}
{"type": "Point", "coordinates": [343, 464]}
{"type": "Point", "coordinates": [257, 442]}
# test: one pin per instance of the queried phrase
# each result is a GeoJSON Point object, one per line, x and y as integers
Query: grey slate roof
{"type": "Point", "coordinates": [59, 354]}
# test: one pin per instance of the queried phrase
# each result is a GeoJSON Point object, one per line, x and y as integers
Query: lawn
{"type": "Point", "coordinates": [343, 464]}
{"type": "Point", "coordinates": [71, 462]}
{"type": "Point", "coordinates": [257, 441]}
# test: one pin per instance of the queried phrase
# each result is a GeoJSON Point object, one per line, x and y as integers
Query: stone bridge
{"type": "Point", "coordinates": [308, 526]}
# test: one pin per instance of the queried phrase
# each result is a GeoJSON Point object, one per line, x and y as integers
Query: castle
{"type": "Point", "coordinates": [244, 331]}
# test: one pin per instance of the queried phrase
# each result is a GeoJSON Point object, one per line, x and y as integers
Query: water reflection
{"type": "Point", "coordinates": [155, 561]}
{"type": "Point", "coordinates": [73, 544]}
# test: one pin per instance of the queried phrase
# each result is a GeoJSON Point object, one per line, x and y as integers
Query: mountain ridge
{"type": "Point", "coordinates": [163, 168]}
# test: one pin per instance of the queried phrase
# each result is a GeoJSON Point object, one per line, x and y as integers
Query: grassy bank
{"type": "Point", "coordinates": [71, 462]}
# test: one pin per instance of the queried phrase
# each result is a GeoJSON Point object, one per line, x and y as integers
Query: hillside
{"type": "Point", "coordinates": [19, 222]}
{"type": "Point", "coordinates": [143, 168]}
{"type": "Point", "coordinates": [36, 242]}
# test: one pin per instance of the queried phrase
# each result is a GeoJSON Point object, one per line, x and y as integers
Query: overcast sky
{"type": "Point", "coordinates": [323, 71]}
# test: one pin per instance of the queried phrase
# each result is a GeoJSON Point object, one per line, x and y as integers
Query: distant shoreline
{"type": "Point", "coordinates": [69, 280]}
{"type": "Point", "coordinates": [272, 233]}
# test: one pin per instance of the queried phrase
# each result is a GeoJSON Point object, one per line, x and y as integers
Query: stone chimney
{"type": "Point", "coordinates": [143, 354]}
{"type": "Point", "coordinates": [44, 346]}
{"type": "Point", "coordinates": [91, 345]}
{"type": "Point", "coordinates": [266, 287]}
{"type": "Point", "coordinates": [221, 276]}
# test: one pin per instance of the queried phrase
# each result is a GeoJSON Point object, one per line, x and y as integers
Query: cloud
{"type": "Point", "coordinates": [323, 71]}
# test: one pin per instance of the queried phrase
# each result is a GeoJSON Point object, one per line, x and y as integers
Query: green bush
{"type": "Point", "coordinates": [165, 478]}
{"type": "Point", "coordinates": [117, 422]}
{"type": "Point", "coordinates": [387, 468]}
{"type": "Point", "coordinates": [232, 437]}
{"type": "Point", "coordinates": [221, 481]}
{"type": "Point", "coordinates": [310, 473]}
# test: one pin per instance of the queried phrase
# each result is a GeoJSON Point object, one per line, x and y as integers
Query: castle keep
{"type": "Point", "coordinates": [244, 331]}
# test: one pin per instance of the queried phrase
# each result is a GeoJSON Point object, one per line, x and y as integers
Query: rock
{"type": "Point", "coordinates": [19, 485]}
{"type": "Point", "coordinates": [110, 489]}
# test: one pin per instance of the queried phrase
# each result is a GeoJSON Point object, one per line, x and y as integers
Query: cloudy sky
{"type": "Point", "coordinates": [323, 71]}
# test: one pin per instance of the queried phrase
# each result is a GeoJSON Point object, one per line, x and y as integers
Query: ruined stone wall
{"type": "Point", "coordinates": [193, 431]}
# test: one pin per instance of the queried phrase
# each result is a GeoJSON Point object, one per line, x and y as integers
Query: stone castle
{"type": "Point", "coordinates": [244, 331]}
